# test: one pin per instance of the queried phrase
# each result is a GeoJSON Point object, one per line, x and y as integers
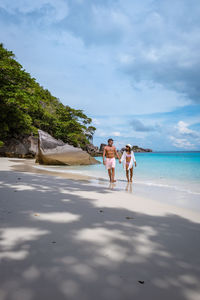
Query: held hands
{"type": "Point", "coordinates": [120, 161]}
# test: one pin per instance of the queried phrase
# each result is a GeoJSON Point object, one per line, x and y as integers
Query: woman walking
{"type": "Point", "coordinates": [128, 158]}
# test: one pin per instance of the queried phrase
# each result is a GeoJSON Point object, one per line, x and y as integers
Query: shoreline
{"type": "Point", "coordinates": [160, 192]}
{"type": "Point", "coordinates": [162, 195]}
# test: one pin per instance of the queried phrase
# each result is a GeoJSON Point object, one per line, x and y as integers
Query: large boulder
{"type": "Point", "coordinates": [56, 152]}
{"type": "Point", "coordinates": [21, 147]}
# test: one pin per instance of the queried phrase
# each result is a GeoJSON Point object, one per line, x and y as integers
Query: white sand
{"type": "Point", "coordinates": [69, 239]}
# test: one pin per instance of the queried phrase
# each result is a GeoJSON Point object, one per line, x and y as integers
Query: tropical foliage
{"type": "Point", "coordinates": [25, 107]}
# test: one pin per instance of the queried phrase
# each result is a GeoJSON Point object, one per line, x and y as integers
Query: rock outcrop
{"type": "Point", "coordinates": [93, 150]}
{"type": "Point", "coordinates": [102, 147]}
{"type": "Point", "coordinates": [21, 147]}
{"type": "Point", "coordinates": [55, 152]}
{"type": "Point", "coordinates": [137, 149]}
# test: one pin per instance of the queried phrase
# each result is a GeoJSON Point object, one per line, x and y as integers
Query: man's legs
{"type": "Point", "coordinates": [110, 174]}
{"type": "Point", "coordinates": [113, 175]}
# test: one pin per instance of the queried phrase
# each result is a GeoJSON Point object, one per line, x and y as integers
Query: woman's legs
{"type": "Point", "coordinates": [127, 174]}
{"type": "Point", "coordinates": [131, 174]}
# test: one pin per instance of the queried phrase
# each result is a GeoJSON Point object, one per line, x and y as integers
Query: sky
{"type": "Point", "coordinates": [132, 66]}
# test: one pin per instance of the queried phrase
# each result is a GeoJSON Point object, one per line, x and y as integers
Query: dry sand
{"type": "Point", "coordinates": [64, 238]}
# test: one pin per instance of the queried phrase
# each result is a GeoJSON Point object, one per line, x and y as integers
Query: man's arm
{"type": "Point", "coordinates": [117, 155]}
{"type": "Point", "coordinates": [134, 159]}
{"type": "Point", "coordinates": [104, 153]}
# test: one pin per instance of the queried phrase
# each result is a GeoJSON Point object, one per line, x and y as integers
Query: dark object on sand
{"type": "Point", "coordinates": [141, 281]}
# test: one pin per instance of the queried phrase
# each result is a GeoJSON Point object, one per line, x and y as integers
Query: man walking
{"type": "Point", "coordinates": [109, 152]}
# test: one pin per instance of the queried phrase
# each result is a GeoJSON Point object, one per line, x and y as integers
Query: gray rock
{"type": "Point", "coordinates": [137, 149]}
{"type": "Point", "coordinates": [93, 150]}
{"type": "Point", "coordinates": [102, 147]}
{"type": "Point", "coordinates": [55, 152]}
{"type": "Point", "coordinates": [22, 147]}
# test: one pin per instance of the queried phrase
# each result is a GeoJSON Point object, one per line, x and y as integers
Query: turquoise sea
{"type": "Point", "coordinates": [161, 173]}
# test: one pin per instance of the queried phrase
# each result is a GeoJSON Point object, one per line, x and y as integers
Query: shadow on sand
{"type": "Point", "coordinates": [56, 243]}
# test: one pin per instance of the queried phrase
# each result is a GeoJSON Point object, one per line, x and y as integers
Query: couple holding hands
{"type": "Point", "coordinates": [128, 159]}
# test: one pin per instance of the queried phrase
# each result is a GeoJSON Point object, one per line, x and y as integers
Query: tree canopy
{"type": "Point", "coordinates": [25, 107]}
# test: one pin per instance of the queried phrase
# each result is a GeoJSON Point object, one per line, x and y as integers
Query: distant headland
{"type": "Point", "coordinates": [95, 151]}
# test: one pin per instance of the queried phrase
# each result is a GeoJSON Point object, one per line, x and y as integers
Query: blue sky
{"type": "Point", "coordinates": [133, 66]}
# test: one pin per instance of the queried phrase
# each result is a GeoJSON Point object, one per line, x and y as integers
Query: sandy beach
{"type": "Point", "coordinates": [66, 237]}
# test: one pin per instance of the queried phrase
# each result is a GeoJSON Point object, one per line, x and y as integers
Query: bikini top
{"type": "Point", "coordinates": [128, 155]}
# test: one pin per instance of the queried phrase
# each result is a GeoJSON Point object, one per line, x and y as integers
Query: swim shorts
{"type": "Point", "coordinates": [110, 163]}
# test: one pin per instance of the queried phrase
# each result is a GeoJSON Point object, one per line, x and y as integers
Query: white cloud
{"type": "Point", "coordinates": [101, 133]}
{"type": "Point", "coordinates": [184, 130]}
{"type": "Point", "coordinates": [126, 59]}
{"type": "Point", "coordinates": [183, 127]}
{"type": "Point", "coordinates": [181, 143]}
{"type": "Point", "coordinates": [109, 20]}
{"type": "Point", "coordinates": [116, 133]}
{"type": "Point", "coordinates": [95, 121]}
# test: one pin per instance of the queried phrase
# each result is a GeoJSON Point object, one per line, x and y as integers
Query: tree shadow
{"type": "Point", "coordinates": [57, 243]}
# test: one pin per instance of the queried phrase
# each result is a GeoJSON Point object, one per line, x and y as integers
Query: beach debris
{"type": "Point", "coordinates": [19, 178]}
{"type": "Point", "coordinates": [129, 218]}
{"type": "Point", "coordinates": [37, 215]}
{"type": "Point", "coordinates": [53, 242]}
{"type": "Point", "coordinates": [141, 281]}
{"type": "Point", "coordinates": [101, 211]}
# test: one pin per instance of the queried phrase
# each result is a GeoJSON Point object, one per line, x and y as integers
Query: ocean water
{"type": "Point", "coordinates": [165, 173]}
